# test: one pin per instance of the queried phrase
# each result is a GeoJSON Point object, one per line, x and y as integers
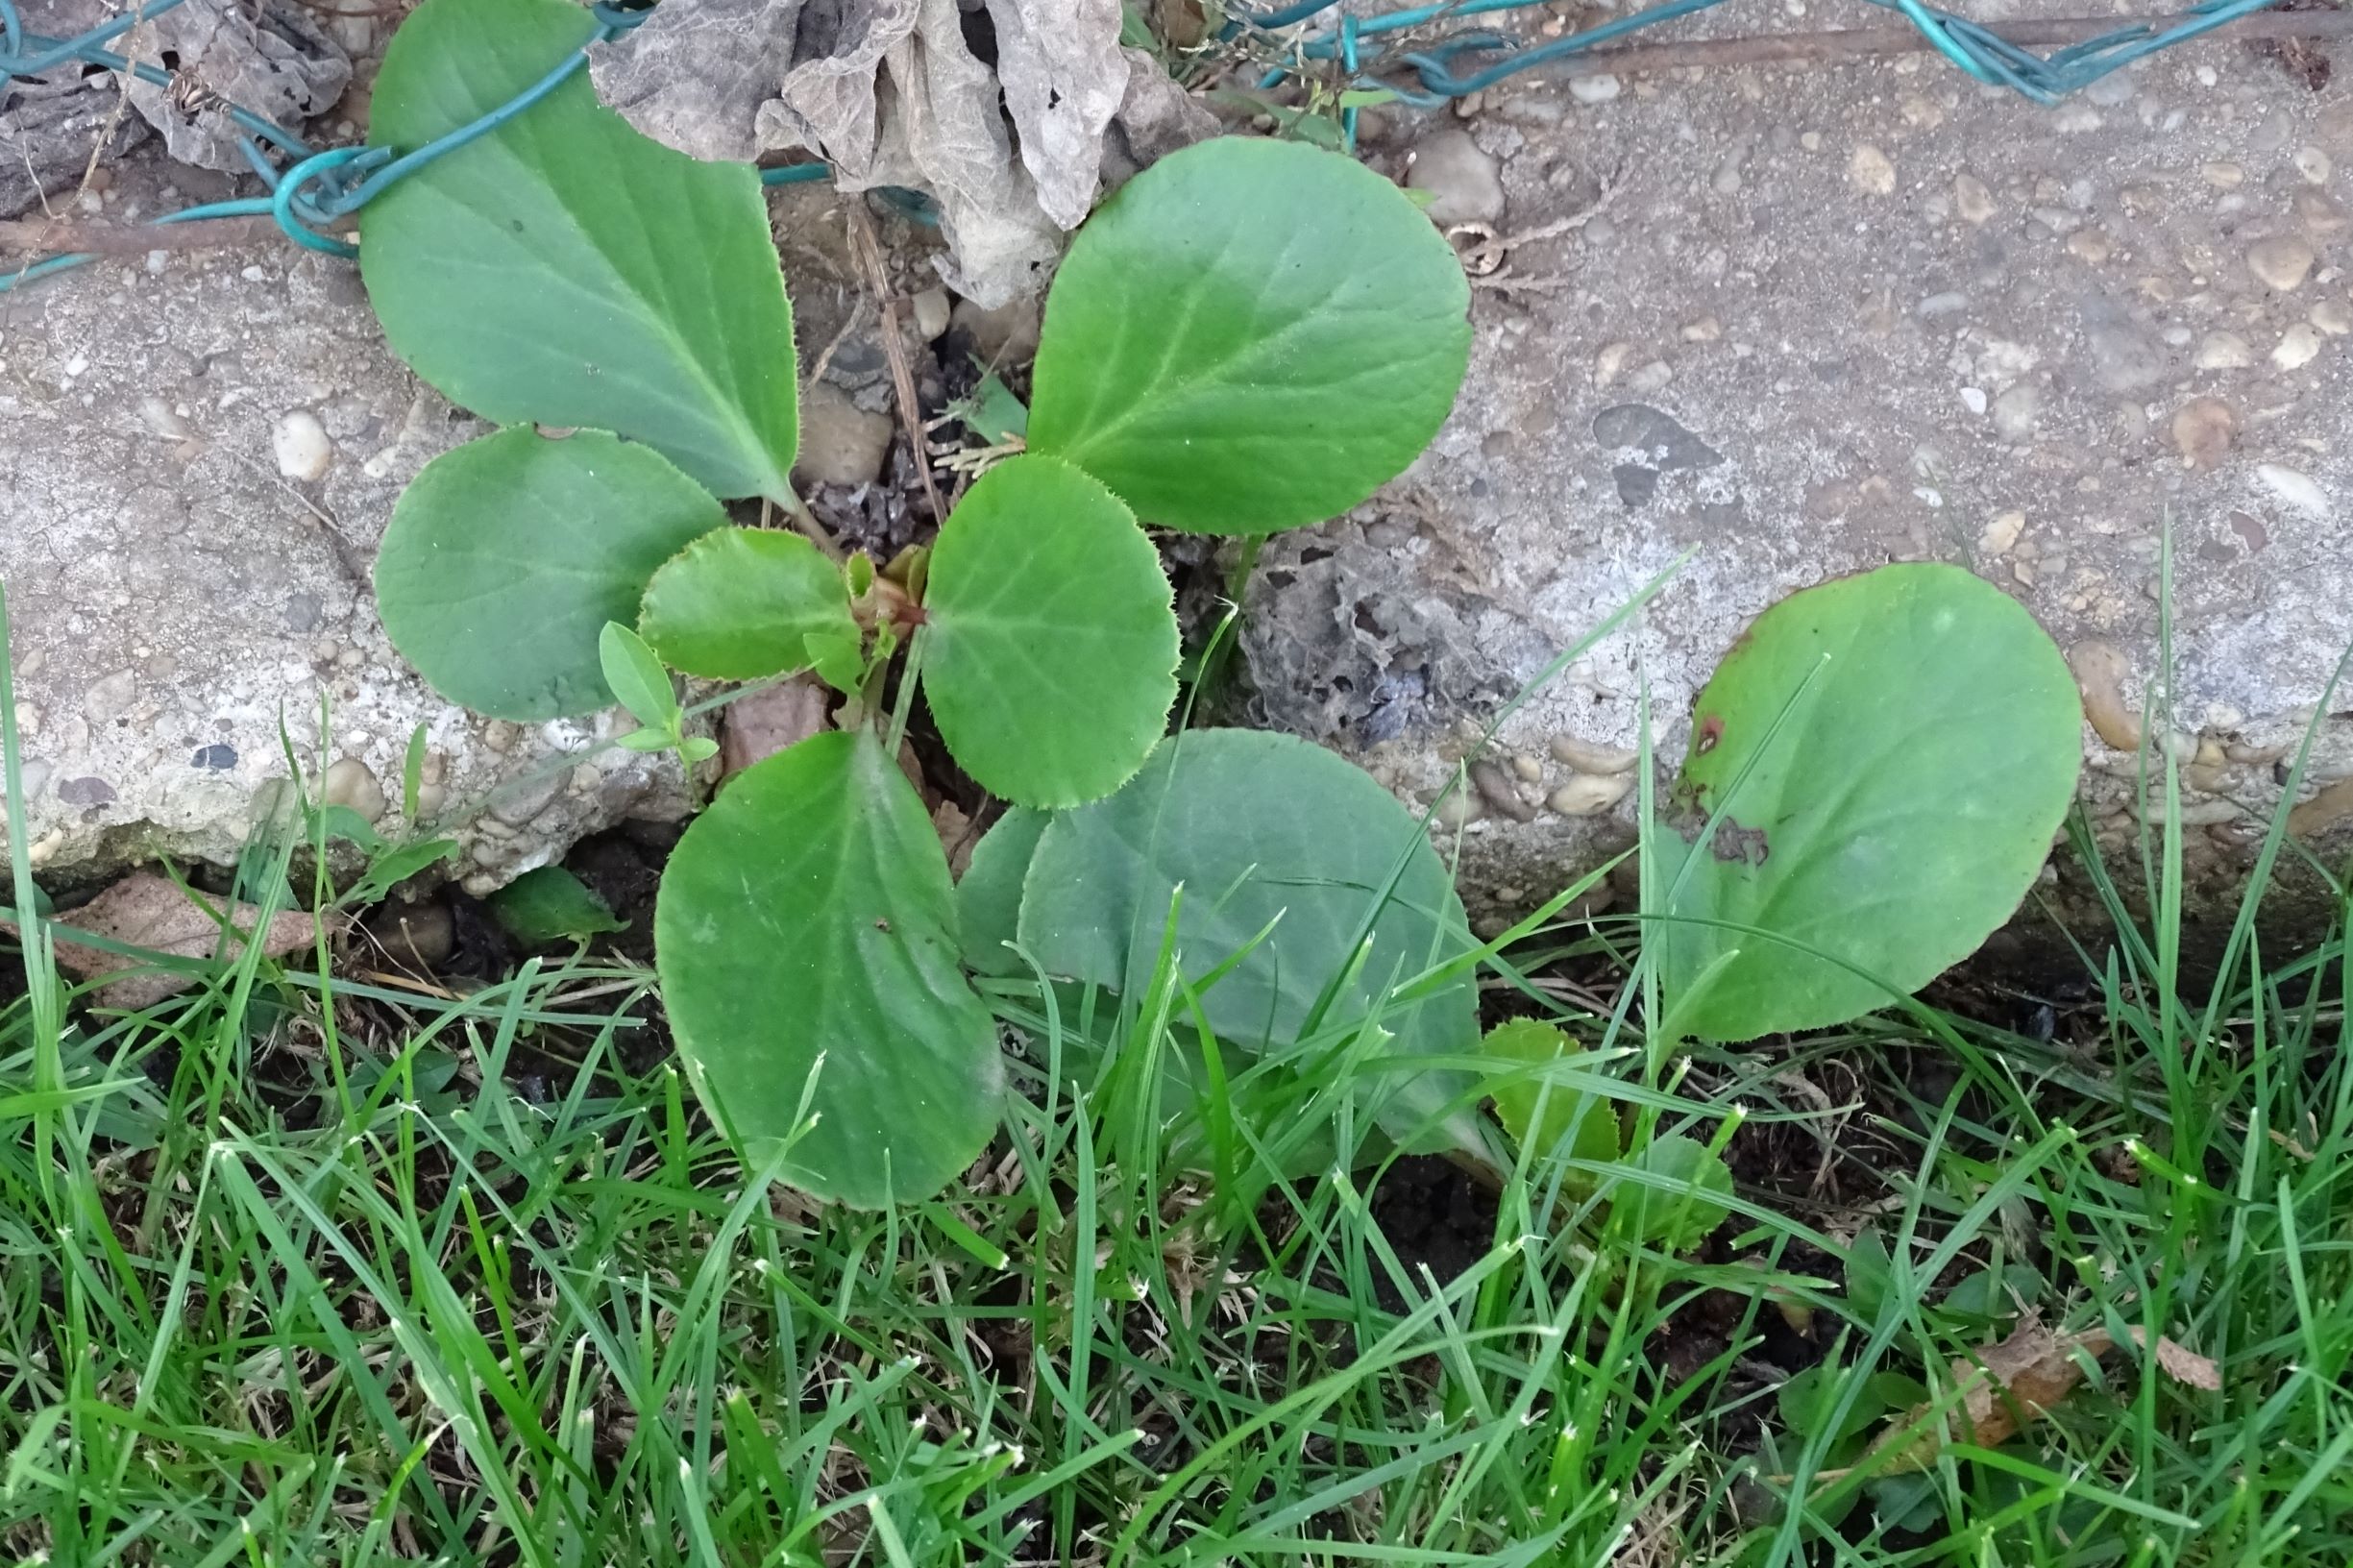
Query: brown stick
{"type": "Point", "coordinates": [60, 235]}
{"type": "Point", "coordinates": [869, 253]}
{"type": "Point", "coordinates": [1869, 42]}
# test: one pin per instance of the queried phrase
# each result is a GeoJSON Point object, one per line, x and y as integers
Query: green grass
{"type": "Point", "coordinates": [302, 1274]}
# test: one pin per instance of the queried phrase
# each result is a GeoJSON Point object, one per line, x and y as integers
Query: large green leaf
{"type": "Point", "coordinates": [1053, 636]}
{"type": "Point", "coordinates": [740, 603]}
{"type": "Point", "coordinates": [1250, 335]}
{"type": "Point", "coordinates": [1886, 758]}
{"type": "Point", "coordinates": [989, 897]}
{"type": "Point", "coordinates": [566, 270]}
{"type": "Point", "coordinates": [505, 557]}
{"type": "Point", "coordinates": [1262, 829]}
{"type": "Point", "coordinates": [808, 914]}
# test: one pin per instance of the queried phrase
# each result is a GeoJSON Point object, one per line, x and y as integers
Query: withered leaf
{"type": "Point", "coordinates": [152, 912]}
{"type": "Point", "coordinates": [2008, 1384]}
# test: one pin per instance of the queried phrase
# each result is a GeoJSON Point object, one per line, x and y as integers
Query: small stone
{"type": "Point", "coordinates": [1705, 329]}
{"type": "Point", "coordinates": [2123, 357]}
{"type": "Point", "coordinates": [301, 446]}
{"type": "Point", "coordinates": [85, 791]}
{"type": "Point", "coordinates": [2001, 533]}
{"type": "Point", "coordinates": [2110, 91]}
{"type": "Point", "coordinates": [1870, 172]}
{"type": "Point", "coordinates": [2298, 346]}
{"type": "Point", "coordinates": [1611, 362]}
{"type": "Point", "coordinates": [1456, 810]}
{"type": "Point", "coordinates": [1920, 112]}
{"type": "Point", "coordinates": [2016, 410]}
{"type": "Point", "coordinates": [1529, 770]}
{"type": "Point", "coordinates": [1587, 795]}
{"type": "Point", "coordinates": [1464, 184]}
{"type": "Point", "coordinates": [1006, 334]}
{"type": "Point", "coordinates": [2223, 351]}
{"type": "Point", "coordinates": [2280, 264]}
{"type": "Point", "coordinates": [2203, 428]}
{"type": "Point", "coordinates": [1971, 198]}
{"type": "Point", "coordinates": [163, 420]}
{"type": "Point", "coordinates": [1589, 757]}
{"type": "Point", "coordinates": [2322, 215]}
{"type": "Point", "coordinates": [1951, 303]}
{"type": "Point", "coordinates": [1598, 88]}
{"type": "Point", "coordinates": [349, 783]}
{"type": "Point", "coordinates": [2313, 164]}
{"type": "Point", "coordinates": [1650, 379]}
{"type": "Point", "coordinates": [2225, 176]}
{"type": "Point", "coordinates": [1527, 109]}
{"type": "Point", "coordinates": [1496, 789]}
{"type": "Point", "coordinates": [517, 803]}
{"type": "Point", "coordinates": [840, 442]}
{"type": "Point", "coordinates": [1973, 398]}
{"type": "Point", "coordinates": [931, 310]}
{"type": "Point", "coordinates": [110, 697]}
{"type": "Point", "coordinates": [415, 936]}
{"type": "Point", "coordinates": [2090, 246]}
{"type": "Point", "coordinates": [499, 733]}
{"type": "Point", "coordinates": [1810, 141]}
{"type": "Point", "coordinates": [2295, 489]}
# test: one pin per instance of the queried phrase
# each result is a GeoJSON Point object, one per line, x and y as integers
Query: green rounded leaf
{"type": "Point", "coordinates": [505, 557]}
{"type": "Point", "coordinates": [989, 897]}
{"type": "Point", "coordinates": [549, 905]}
{"type": "Point", "coordinates": [1890, 755]}
{"type": "Point", "coordinates": [1053, 643]}
{"type": "Point", "coordinates": [740, 603]}
{"type": "Point", "coordinates": [564, 269]}
{"type": "Point", "coordinates": [1266, 830]}
{"type": "Point", "coordinates": [1551, 1118]}
{"type": "Point", "coordinates": [1250, 335]}
{"type": "Point", "coordinates": [808, 914]}
{"type": "Point", "coordinates": [1681, 1201]}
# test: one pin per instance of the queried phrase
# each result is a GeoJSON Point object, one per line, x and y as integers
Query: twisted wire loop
{"type": "Point", "coordinates": [1450, 68]}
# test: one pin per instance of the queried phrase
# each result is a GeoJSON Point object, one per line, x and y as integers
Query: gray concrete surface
{"type": "Point", "coordinates": [202, 450]}
{"type": "Point", "coordinates": [1805, 322]}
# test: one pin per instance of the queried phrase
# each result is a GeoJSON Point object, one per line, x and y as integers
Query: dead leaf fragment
{"type": "Point", "coordinates": [892, 93]}
{"type": "Point", "coordinates": [759, 724]}
{"type": "Point", "coordinates": [152, 912]}
{"type": "Point", "coordinates": [2183, 1364]}
{"type": "Point", "coordinates": [2009, 1384]}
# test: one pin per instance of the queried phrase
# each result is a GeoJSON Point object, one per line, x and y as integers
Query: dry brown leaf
{"type": "Point", "coordinates": [761, 723]}
{"type": "Point", "coordinates": [2009, 1384]}
{"type": "Point", "coordinates": [152, 912]}
{"type": "Point", "coordinates": [2183, 1364]}
{"type": "Point", "coordinates": [1014, 150]}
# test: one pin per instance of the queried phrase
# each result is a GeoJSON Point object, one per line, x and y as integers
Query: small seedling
{"type": "Point", "coordinates": [642, 684]}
